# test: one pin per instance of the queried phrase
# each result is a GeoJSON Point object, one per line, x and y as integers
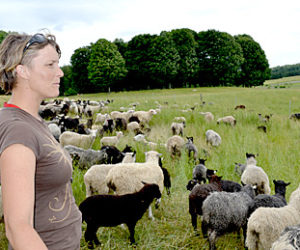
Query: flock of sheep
{"type": "Point", "coordinates": [114, 180]}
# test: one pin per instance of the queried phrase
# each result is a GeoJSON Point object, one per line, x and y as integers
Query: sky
{"type": "Point", "coordinates": [274, 24]}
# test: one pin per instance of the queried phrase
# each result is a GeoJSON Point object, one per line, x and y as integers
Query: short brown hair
{"type": "Point", "coordinates": [12, 54]}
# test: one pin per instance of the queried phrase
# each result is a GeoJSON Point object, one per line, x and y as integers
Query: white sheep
{"type": "Point", "coordinates": [175, 144]}
{"type": "Point", "coordinates": [208, 116]}
{"type": "Point", "coordinates": [78, 140]}
{"type": "Point", "coordinates": [94, 178]}
{"type": "Point", "coordinates": [129, 177]}
{"type": "Point", "coordinates": [125, 115]}
{"type": "Point", "coordinates": [55, 130]}
{"type": "Point", "coordinates": [180, 119]}
{"type": "Point", "coordinates": [227, 120]}
{"type": "Point", "coordinates": [111, 140]}
{"type": "Point", "coordinates": [267, 223]}
{"type": "Point", "coordinates": [133, 127]}
{"type": "Point", "coordinates": [177, 128]}
{"type": "Point", "coordinates": [213, 138]}
{"type": "Point", "coordinates": [289, 239]}
{"type": "Point", "coordinates": [255, 176]}
{"type": "Point", "coordinates": [144, 116]}
{"type": "Point", "coordinates": [101, 118]}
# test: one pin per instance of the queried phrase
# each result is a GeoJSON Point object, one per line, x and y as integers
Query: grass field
{"type": "Point", "coordinates": [278, 154]}
{"type": "Point", "coordinates": [285, 82]}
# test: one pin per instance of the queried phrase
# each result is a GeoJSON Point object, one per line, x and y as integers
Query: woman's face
{"type": "Point", "coordinates": [45, 73]}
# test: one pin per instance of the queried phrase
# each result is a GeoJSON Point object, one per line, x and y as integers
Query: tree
{"type": "Point", "coordinates": [3, 34]}
{"type": "Point", "coordinates": [185, 44]}
{"type": "Point", "coordinates": [79, 61]}
{"type": "Point", "coordinates": [220, 58]}
{"type": "Point", "coordinates": [122, 46]}
{"type": "Point", "coordinates": [66, 80]}
{"type": "Point", "coordinates": [106, 67]}
{"type": "Point", "coordinates": [255, 68]}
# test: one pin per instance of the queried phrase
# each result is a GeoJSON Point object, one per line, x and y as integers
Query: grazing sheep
{"type": "Point", "coordinates": [264, 119]}
{"type": "Point", "coordinates": [177, 128]}
{"type": "Point", "coordinates": [133, 127]}
{"type": "Point", "coordinates": [266, 223]}
{"type": "Point", "coordinates": [225, 212]}
{"type": "Point", "coordinates": [78, 140]}
{"type": "Point", "coordinates": [144, 116]}
{"type": "Point", "coordinates": [255, 176]}
{"type": "Point", "coordinates": [120, 124]}
{"type": "Point", "coordinates": [288, 240]}
{"type": "Point", "coordinates": [112, 210]}
{"type": "Point", "coordinates": [262, 128]}
{"type": "Point", "coordinates": [227, 120]}
{"type": "Point", "coordinates": [114, 155]}
{"type": "Point", "coordinates": [101, 118]}
{"type": "Point", "coordinates": [127, 177]}
{"type": "Point", "coordinates": [213, 138]}
{"type": "Point", "coordinates": [111, 140]}
{"type": "Point", "coordinates": [167, 177]}
{"type": "Point", "coordinates": [208, 116]}
{"type": "Point", "coordinates": [201, 173]}
{"type": "Point", "coordinates": [191, 148]}
{"type": "Point", "coordinates": [175, 145]}
{"type": "Point", "coordinates": [265, 200]}
{"type": "Point", "coordinates": [94, 178]}
{"type": "Point", "coordinates": [295, 116]}
{"type": "Point", "coordinates": [180, 119]}
{"type": "Point", "coordinates": [197, 196]}
{"type": "Point", "coordinates": [240, 107]}
{"type": "Point", "coordinates": [239, 168]}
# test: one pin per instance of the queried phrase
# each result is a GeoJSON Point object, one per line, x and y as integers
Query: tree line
{"type": "Point", "coordinates": [284, 71]}
{"type": "Point", "coordinates": [173, 59]}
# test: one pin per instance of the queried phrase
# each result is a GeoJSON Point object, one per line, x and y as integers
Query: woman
{"type": "Point", "coordinates": [38, 204]}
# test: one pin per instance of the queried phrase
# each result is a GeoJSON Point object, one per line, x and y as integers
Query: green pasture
{"type": "Point", "coordinates": [278, 151]}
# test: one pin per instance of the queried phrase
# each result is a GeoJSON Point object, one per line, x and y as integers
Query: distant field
{"type": "Point", "coordinates": [285, 82]}
{"type": "Point", "coordinates": [278, 154]}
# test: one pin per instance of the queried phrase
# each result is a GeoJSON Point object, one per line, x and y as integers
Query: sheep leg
{"type": "Point", "coordinates": [150, 215]}
{"type": "Point", "coordinates": [90, 235]}
{"type": "Point", "coordinates": [212, 236]}
{"type": "Point", "coordinates": [204, 228]}
{"type": "Point", "coordinates": [157, 203]}
{"type": "Point", "coordinates": [131, 227]}
{"type": "Point", "coordinates": [245, 235]}
{"type": "Point", "coordinates": [194, 221]}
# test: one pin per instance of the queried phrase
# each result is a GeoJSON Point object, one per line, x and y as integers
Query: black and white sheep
{"type": "Point", "coordinates": [225, 212]}
{"type": "Point", "coordinates": [112, 210]}
{"type": "Point", "coordinates": [191, 148]}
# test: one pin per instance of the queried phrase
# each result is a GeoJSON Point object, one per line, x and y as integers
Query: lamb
{"type": "Point", "coordinates": [265, 200]}
{"type": "Point", "coordinates": [213, 138]}
{"type": "Point", "coordinates": [225, 212]}
{"type": "Point", "coordinates": [78, 140]}
{"type": "Point", "coordinates": [295, 116]}
{"type": "Point", "coordinates": [227, 120]}
{"type": "Point", "coordinates": [191, 148]}
{"type": "Point", "coordinates": [200, 171]}
{"type": "Point", "coordinates": [288, 240]}
{"type": "Point", "coordinates": [112, 210]}
{"type": "Point", "coordinates": [127, 177]}
{"type": "Point", "coordinates": [94, 178]}
{"type": "Point", "coordinates": [101, 118]}
{"type": "Point", "coordinates": [177, 128]}
{"type": "Point", "coordinates": [111, 140]}
{"type": "Point", "coordinates": [266, 223]}
{"type": "Point", "coordinates": [133, 127]}
{"type": "Point", "coordinates": [120, 124]}
{"type": "Point", "coordinates": [175, 144]}
{"type": "Point", "coordinates": [255, 176]}
{"type": "Point", "coordinates": [114, 154]}
{"type": "Point", "coordinates": [197, 196]}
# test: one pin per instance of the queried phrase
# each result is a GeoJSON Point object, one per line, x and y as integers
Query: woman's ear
{"type": "Point", "coordinates": [22, 71]}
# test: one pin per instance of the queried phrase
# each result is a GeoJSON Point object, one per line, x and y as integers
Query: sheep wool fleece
{"type": "Point", "coordinates": [57, 218]}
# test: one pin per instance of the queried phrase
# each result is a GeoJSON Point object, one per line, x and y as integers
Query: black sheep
{"type": "Point", "coordinates": [112, 210]}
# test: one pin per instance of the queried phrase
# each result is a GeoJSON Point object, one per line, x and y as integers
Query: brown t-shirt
{"type": "Point", "coordinates": [57, 218]}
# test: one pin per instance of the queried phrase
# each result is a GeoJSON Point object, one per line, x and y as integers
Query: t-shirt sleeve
{"type": "Point", "coordinates": [19, 132]}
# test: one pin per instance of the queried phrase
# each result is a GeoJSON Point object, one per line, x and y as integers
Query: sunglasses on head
{"type": "Point", "coordinates": [37, 38]}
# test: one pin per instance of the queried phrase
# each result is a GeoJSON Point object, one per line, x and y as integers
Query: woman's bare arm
{"type": "Point", "coordinates": [17, 164]}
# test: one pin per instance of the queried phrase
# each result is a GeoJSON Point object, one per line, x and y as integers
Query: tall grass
{"type": "Point", "coordinates": [278, 151]}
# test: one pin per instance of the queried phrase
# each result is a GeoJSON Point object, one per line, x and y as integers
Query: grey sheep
{"type": "Point", "coordinates": [191, 148]}
{"type": "Point", "coordinates": [225, 212]}
{"type": "Point", "coordinates": [289, 239]}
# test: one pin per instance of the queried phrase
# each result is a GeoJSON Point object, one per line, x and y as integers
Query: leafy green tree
{"type": "Point", "coordinates": [106, 67]}
{"type": "Point", "coordinates": [3, 34]}
{"type": "Point", "coordinates": [185, 44]}
{"type": "Point", "coordinates": [220, 58]}
{"type": "Point", "coordinates": [286, 70]}
{"type": "Point", "coordinates": [66, 80]}
{"type": "Point", "coordinates": [122, 46]}
{"type": "Point", "coordinates": [255, 68]}
{"type": "Point", "coordinates": [152, 61]}
{"type": "Point", "coordinates": [80, 61]}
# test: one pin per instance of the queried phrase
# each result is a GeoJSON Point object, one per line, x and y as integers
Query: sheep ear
{"type": "Point", "coordinates": [287, 184]}
{"type": "Point", "coordinates": [145, 183]}
{"type": "Point", "coordinates": [254, 187]}
{"type": "Point", "coordinates": [274, 181]}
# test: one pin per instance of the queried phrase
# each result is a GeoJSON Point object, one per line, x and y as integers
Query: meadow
{"type": "Point", "coordinates": [278, 151]}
